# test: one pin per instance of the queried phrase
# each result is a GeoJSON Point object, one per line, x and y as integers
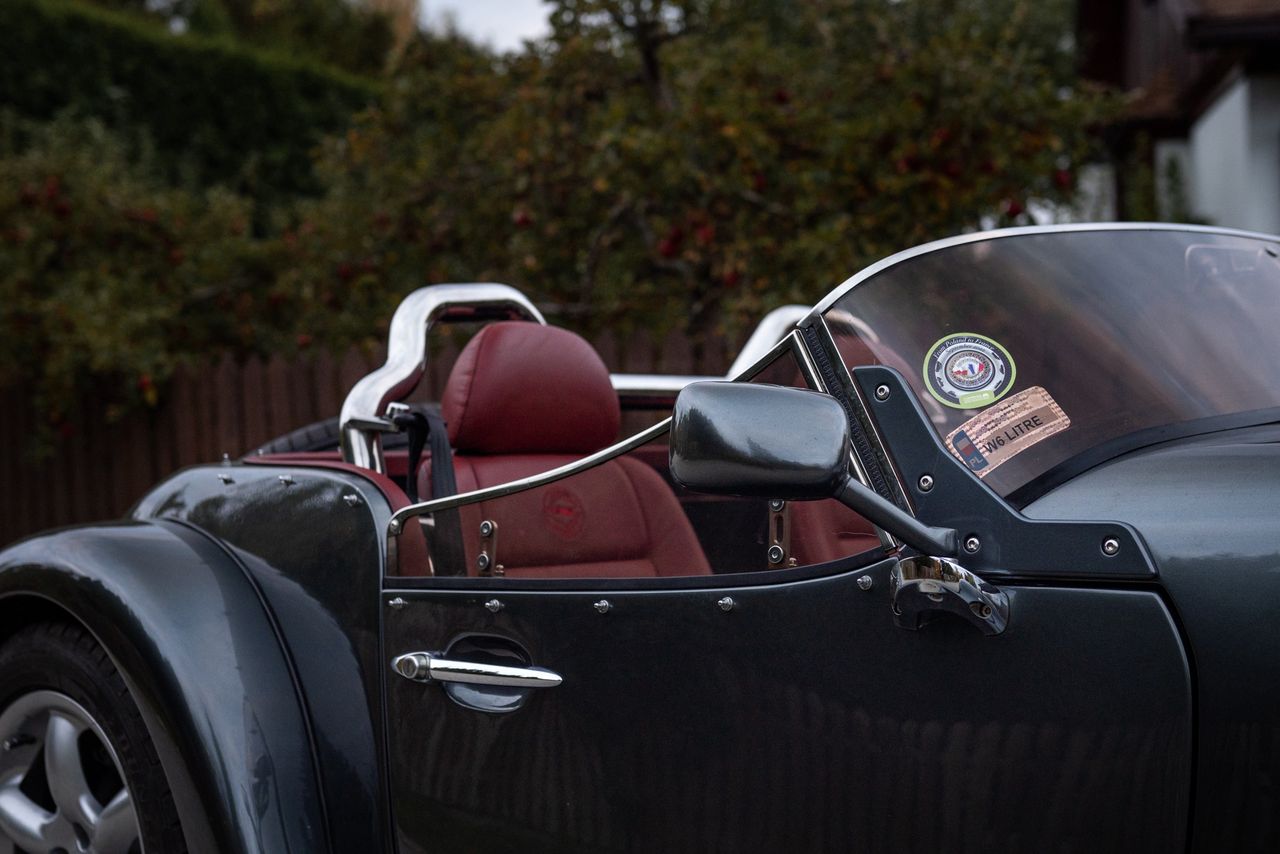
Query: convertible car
{"type": "Point", "coordinates": [981, 553]}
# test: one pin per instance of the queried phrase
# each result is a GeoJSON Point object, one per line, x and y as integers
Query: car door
{"type": "Point", "coordinates": [770, 709]}
{"type": "Point", "coordinates": [769, 713]}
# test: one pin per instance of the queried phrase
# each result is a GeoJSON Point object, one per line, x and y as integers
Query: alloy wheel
{"type": "Point", "coordinates": [61, 787]}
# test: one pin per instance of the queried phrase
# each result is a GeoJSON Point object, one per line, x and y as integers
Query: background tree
{"type": "Point", "coordinates": [696, 163]}
{"type": "Point", "coordinates": [676, 164]}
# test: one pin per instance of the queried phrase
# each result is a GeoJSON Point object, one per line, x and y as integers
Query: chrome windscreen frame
{"type": "Point", "coordinates": [838, 292]}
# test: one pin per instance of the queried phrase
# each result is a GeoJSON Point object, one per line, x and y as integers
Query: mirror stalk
{"type": "Point", "coordinates": [939, 542]}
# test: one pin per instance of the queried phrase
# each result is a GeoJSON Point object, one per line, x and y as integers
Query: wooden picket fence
{"type": "Point", "coordinates": [227, 406]}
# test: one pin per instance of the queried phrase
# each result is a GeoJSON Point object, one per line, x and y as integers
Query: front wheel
{"type": "Point", "coordinates": [78, 772]}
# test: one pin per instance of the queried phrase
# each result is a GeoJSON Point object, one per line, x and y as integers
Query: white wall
{"type": "Point", "coordinates": [1264, 154]}
{"type": "Point", "coordinates": [1235, 157]}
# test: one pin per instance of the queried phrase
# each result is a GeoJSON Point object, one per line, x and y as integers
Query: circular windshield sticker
{"type": "Point", "coordinates": [967, 370]}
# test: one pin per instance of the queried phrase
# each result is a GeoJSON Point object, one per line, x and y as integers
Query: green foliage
{"type": "Point", "coordinates": [684, 164]}
{"type": "Point", "coordinates": [109, 276]}
{"type": "Point", "coordinates": [215, 112]}
{"type": "Point", "coordinates": [351, 36]}
{"type": "Point", "coordinates": [695, 163]}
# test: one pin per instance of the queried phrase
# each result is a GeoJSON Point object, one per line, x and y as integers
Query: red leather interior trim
{"type": "Point", "coordinates": [397, 460]}
{"type": "Point", "coordinates": [827, 530]}
{"type": "Point", "coordinates": [525, 388]}
{"type": "Point", "coordinates": [616, 520]}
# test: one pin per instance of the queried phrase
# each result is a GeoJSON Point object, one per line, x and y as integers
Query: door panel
{"type": "Point", "coordinates": [800, 719]}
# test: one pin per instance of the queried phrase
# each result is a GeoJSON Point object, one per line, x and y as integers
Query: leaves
{"type": "Point", "coordinates": [652, 164]}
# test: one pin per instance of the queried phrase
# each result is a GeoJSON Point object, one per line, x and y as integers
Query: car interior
{"type": "Point", "coordinates": [524, 398]}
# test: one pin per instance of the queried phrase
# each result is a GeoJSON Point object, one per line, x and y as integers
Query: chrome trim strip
{"type": "Point", "coordinates": [407, 356]}
{"type": "Point", "coordinates": [773, 327]}
{"type": "Point", "coordinates": [996, 234]}
{"type": "Point", "coordinates": [653, 385]}
{"type": "Point", "coordinates": [805, 358]}
{"type": "Point", "coordinates": [402, 515]}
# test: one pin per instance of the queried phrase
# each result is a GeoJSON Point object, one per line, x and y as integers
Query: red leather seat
{"type": "Point", "coordinates": [827, 530]}
{"type": "Point", "coordinates": [525, 398]}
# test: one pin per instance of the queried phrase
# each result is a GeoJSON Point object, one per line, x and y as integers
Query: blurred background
{"type": "Point", "coordinates": [209, 209]}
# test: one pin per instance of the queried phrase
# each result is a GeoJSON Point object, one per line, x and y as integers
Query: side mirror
{"type": "Point", "coordinates": [759, 440]}
{"type": "Point", "coordinates": [778, 442]}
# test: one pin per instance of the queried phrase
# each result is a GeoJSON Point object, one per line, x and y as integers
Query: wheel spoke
{"type": "Point", "coordinates": [117, 827]}
{"type": "Point", "coordinates": [23, 821]}
{"type": "Point", "coordinates": [62, 764]}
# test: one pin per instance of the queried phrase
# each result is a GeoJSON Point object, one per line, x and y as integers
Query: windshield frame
{"type": "Point", "coordinates": [842, 289]}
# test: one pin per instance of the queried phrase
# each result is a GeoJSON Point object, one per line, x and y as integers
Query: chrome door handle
{"type": "Point", "coordinates": [430, 667]}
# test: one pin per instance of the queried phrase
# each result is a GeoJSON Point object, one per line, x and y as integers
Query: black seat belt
{"type": "Point", "coordinates": [422, 428]}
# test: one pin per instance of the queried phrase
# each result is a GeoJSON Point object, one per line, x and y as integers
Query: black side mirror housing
{"type": "Point", "coordinates": [759, 440]}
{"type": "Point", "coordinates": [776, 442]}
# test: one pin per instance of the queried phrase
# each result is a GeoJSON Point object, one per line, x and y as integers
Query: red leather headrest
{"type": "Point", "coordinates": [525, 388]}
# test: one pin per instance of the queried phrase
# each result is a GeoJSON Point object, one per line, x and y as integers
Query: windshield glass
{"type": "Point", "coordinates": [1035, 353]}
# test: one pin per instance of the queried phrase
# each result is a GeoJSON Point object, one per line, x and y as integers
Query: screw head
{"type": "Point", "coordinates": [482, 561]}
{"type": "Point", "coordinates": [396, 603]}
{"type": "Point", "coordinates": [602, 606]}
{"type": "Point", "coordinates": [972, 544]}
{"type": "Point", "coordinates": [882, 392]}
{"type": "Point", "coordinates": [776, 504]}
{"type": "Point", "coordinates": [486, 528]}
{"type": "Point", "coordinates": [726, 604]}
{"type": "Point", "coordinates": [493, 606]}
{"type": "Point", "coordinates": [1111, 547]}
{"type": "Point", "coordinates": [394, 527]}
{"type": "Point", "coordinates": [926, 482]}
{"type": "Point", "coordinates": [865, 582]}
{"type": "Point", "coordinates": [776, 554]}
{"type": "Point", "coordinates": [352, 500]}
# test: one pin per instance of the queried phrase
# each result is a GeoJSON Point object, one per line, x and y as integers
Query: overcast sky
{"type": "Point", "coordinates": [501, 23]}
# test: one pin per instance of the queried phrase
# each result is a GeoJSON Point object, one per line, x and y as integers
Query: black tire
{"type": "Point", "coordinates": [326, 435]}
{"type": "Point", "coordinates": [320, 436]}
{"type": "Point", "coordinates": [64, 658]}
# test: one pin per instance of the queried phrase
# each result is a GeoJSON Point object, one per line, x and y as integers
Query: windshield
{"type": "Point", "coordinates": [1036, 352]}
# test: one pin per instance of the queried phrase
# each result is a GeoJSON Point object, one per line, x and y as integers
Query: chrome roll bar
{"type": "Point", "coordinates": [363, 417]}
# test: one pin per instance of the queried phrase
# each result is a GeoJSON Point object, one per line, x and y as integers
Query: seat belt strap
{"type": "Point", "coordinates": [446, 553]}
{"type": "Point", "coordinates": [445, 540]}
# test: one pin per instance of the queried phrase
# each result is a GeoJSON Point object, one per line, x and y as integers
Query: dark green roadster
{"type": "Point", "coordinates": [981, 553]}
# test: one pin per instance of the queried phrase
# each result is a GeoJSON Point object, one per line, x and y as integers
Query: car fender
{"type": "Point", "coordinates": [188, 628]}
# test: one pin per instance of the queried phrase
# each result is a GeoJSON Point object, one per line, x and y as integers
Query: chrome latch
{"type": "Point", "coordinates": [925, 586]}
{"type": "Point", "coordinates": [487, 561]}
{"type": "Point", "coordinates": [779, 536]}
